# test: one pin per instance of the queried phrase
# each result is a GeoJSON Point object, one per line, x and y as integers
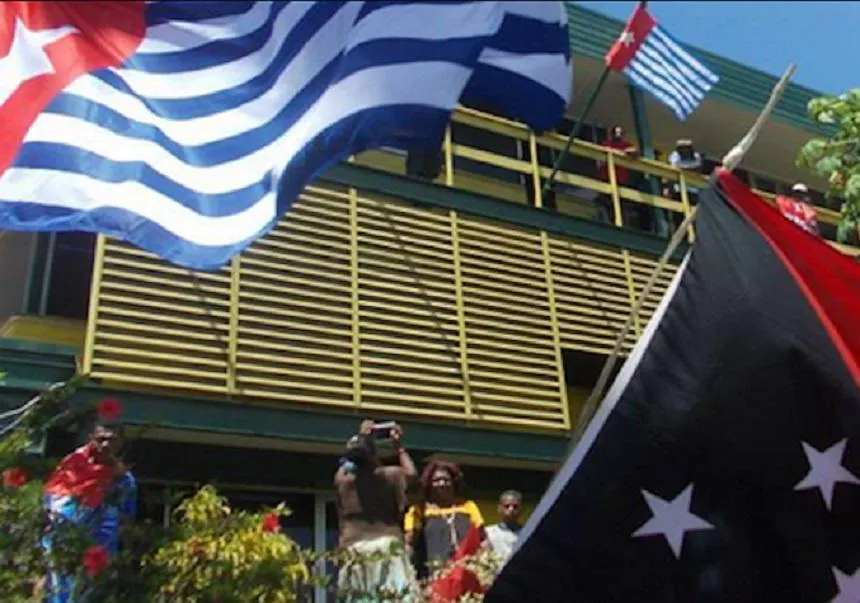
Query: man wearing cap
{"type": "Point", "coordinates": [796, 207]}
{"type": "Point", "coordinates": [685, 157]}
{"type": "Point", "coordinates": [371, 501]}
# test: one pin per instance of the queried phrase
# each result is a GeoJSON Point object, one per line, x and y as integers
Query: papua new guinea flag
{"type": "Point", "coordinates": [724, 462]}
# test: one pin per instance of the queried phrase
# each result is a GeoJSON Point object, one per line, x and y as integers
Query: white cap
{"type": "Point", "coordinates": [799, 187]}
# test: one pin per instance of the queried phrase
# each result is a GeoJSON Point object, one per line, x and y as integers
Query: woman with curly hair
{"type": "Point", "coordinates": [436, 526]}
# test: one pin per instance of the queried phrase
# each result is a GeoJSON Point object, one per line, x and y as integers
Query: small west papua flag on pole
{"type": "Point", "coordinates": [658, 64]}
{"type": "Point", "coordinates": [724, 462]}
{"type": "Point", "coordinates": [188, 128]}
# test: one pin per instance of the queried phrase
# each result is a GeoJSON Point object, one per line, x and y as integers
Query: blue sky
{"type": "Point", "coordinates": [820, 36]}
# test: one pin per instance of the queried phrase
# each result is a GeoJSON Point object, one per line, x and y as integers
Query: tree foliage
{"type": "Point", "coordinates": [218, 554]}
{"type": "Point", "coordinates": [837, 159]}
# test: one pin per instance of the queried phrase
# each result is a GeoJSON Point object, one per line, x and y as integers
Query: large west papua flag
{"type": "Point", "coordinates": [188, 128]}
{"type": "Point", "coordinates": [724, 462]}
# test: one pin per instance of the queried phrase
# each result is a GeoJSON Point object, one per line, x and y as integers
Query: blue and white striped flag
{"type": "Point", "coordinates": [657, 63]}
{"type": "Point", "coordinates": [188, 128]}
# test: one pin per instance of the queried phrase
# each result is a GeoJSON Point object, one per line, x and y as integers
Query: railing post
{"type": "Point", "coordinates": [685, 201]}
{"type": "Point", "coordinates": [233, 332]}
{"type": "Point", "coordinates": [619, 222]}
{"type": "Point", "coordinates": [550, 287]}
{"type": "Point", "coordinates": [533, 151]}
{"type": "Point", "coordinates": [617, 218]}
{"type": "Point", "coordinates": [93, 313]}
{"type": "Point", "coordinates": [449, 156]}
{"type": "Point", "coordinates": [355, 312]}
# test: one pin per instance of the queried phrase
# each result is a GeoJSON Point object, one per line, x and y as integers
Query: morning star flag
{"type": "Point", "coordinates": [657, 63]}
{"type": "Point", "coordinates": [188, 128]}
{"type": "Point", "coordinates": [724, 462]}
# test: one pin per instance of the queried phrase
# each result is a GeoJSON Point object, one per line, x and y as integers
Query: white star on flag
{"type": "Point", "coordinates": [849, 587]}
{"type": "Point", "coordinates": [672, 519]}
{"type": "Point", "coordinates": [627, 38]}
{"type": "Point", "coordinates": [826, 470]}
{"type": "Point", "coordinates": [27, 58]}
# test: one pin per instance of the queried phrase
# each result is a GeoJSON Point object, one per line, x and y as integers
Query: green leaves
{"type": "Point", "coordinates": [837, 160]}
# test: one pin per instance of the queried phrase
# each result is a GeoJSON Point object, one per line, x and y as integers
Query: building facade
{"type": "Point", "coordinates": [465, 305]}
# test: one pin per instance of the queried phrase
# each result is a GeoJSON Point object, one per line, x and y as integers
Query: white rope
{"type": "Point", "coordinates": [590, 405]}
{"type": "Point", "coordinates": [737, 152]}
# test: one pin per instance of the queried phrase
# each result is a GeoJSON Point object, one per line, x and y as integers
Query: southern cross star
{"type": "Point", "coordinates": [627, 38]}
{"type": "Point", "coordinates": [672, 519]}
{"type": "Point", "coordinates": [826, 470]}
{"type": "Point", "coordinates": [849, 587]}
{"type": "Point", "coordinates": [27, 58]}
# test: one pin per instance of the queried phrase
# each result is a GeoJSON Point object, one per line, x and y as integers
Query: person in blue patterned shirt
{"type": "Point", "coordinates": [90, 487]}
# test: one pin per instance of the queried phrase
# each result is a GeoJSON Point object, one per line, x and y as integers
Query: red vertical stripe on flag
{"type": "Point", "coordinates": [625, 48]}
{"type": "Point", "coordinates": [103, 34]}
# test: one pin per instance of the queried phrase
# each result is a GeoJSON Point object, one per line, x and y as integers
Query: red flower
{"type": "Point", "coordinates": [14, 477]}
{"type": "Point", "coordinates": [109, 409]}
{"type": "Point", "coordinates": [271, 523]}
{"type": "Point", "coordinates": [95, 561]}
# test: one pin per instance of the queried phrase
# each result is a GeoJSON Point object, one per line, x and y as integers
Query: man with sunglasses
{"type": "Point", "coordinates": [503, 535]}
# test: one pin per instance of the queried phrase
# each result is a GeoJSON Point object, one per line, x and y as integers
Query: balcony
{"type": "Point", "coordinates": [460, 300]}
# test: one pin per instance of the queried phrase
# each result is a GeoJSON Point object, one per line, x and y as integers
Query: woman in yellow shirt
{"type": "Point", "coordinates": [435, 527]}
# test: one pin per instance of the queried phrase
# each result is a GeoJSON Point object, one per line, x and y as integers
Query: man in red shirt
{"type": "Point", "coordinates": [615, 141]}
{"type": "Point", "coordinates": [797, 208]}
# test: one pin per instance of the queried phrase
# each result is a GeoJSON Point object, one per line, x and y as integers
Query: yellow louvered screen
{"type": "Point", "coordinates": [295, 319]}
{"type": "Point", "coordinates": [641, 269]}
{"type": "Point", "coordinates": [409, 334]}
{"type": "Point", "coordinates": [592, 295]}
{"type": "Point", "coordinates": [362, 301]}
{"type": "Point", "coordinates": [160, 325]}
{"type": "Point", "coordinates": [512, 358]}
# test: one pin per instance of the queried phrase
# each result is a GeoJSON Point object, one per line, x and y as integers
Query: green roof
{"type": "Point", "coordinates": [591, 35]}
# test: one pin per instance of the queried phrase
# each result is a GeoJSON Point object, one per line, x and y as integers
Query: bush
{"type": "Point", "coordinates": [219, 555]}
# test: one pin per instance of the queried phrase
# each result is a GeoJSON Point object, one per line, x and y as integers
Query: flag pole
{"type": "Point", "coordinates": [730, 161]}
{"type": "Point", "coordinates": [577, 127]}
{"type": "Point", "coordinates": [591, 403]}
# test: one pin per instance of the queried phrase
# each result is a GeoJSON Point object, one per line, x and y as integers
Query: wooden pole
{"type": "Point", "coordinates": [591, 403]}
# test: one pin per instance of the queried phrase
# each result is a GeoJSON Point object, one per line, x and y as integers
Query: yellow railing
{"type": "Point", "coordinates": [532, 172]}
{"type": "Point", "coordinates": [365, 302]}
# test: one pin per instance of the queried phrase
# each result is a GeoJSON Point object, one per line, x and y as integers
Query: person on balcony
{"type": "Point", "coordinates": [93, 488]}
{"type": "Point", "coordinates": [371, 500]}
{"type": "Point", "coordinates": [503, 536]}
{"type": "Point", "coordinates": [797, 207]}
{"type": "Point", "coordinates": [618, 142]}
{"type": "Point", "coordinates": [685, 157]}
{"type": "Point", "coordinates": [437, 526]}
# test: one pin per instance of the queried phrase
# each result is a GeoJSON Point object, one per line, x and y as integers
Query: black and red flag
{"type": "Point", "coordinates": [724, 462]}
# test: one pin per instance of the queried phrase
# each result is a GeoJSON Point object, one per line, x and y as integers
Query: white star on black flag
{"type": "Point", "coordinates": [826, 470]}
{"type": "Point", "coordinates": [724, 463]}
{"type": "Point", "coordinates": [672, 519]}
